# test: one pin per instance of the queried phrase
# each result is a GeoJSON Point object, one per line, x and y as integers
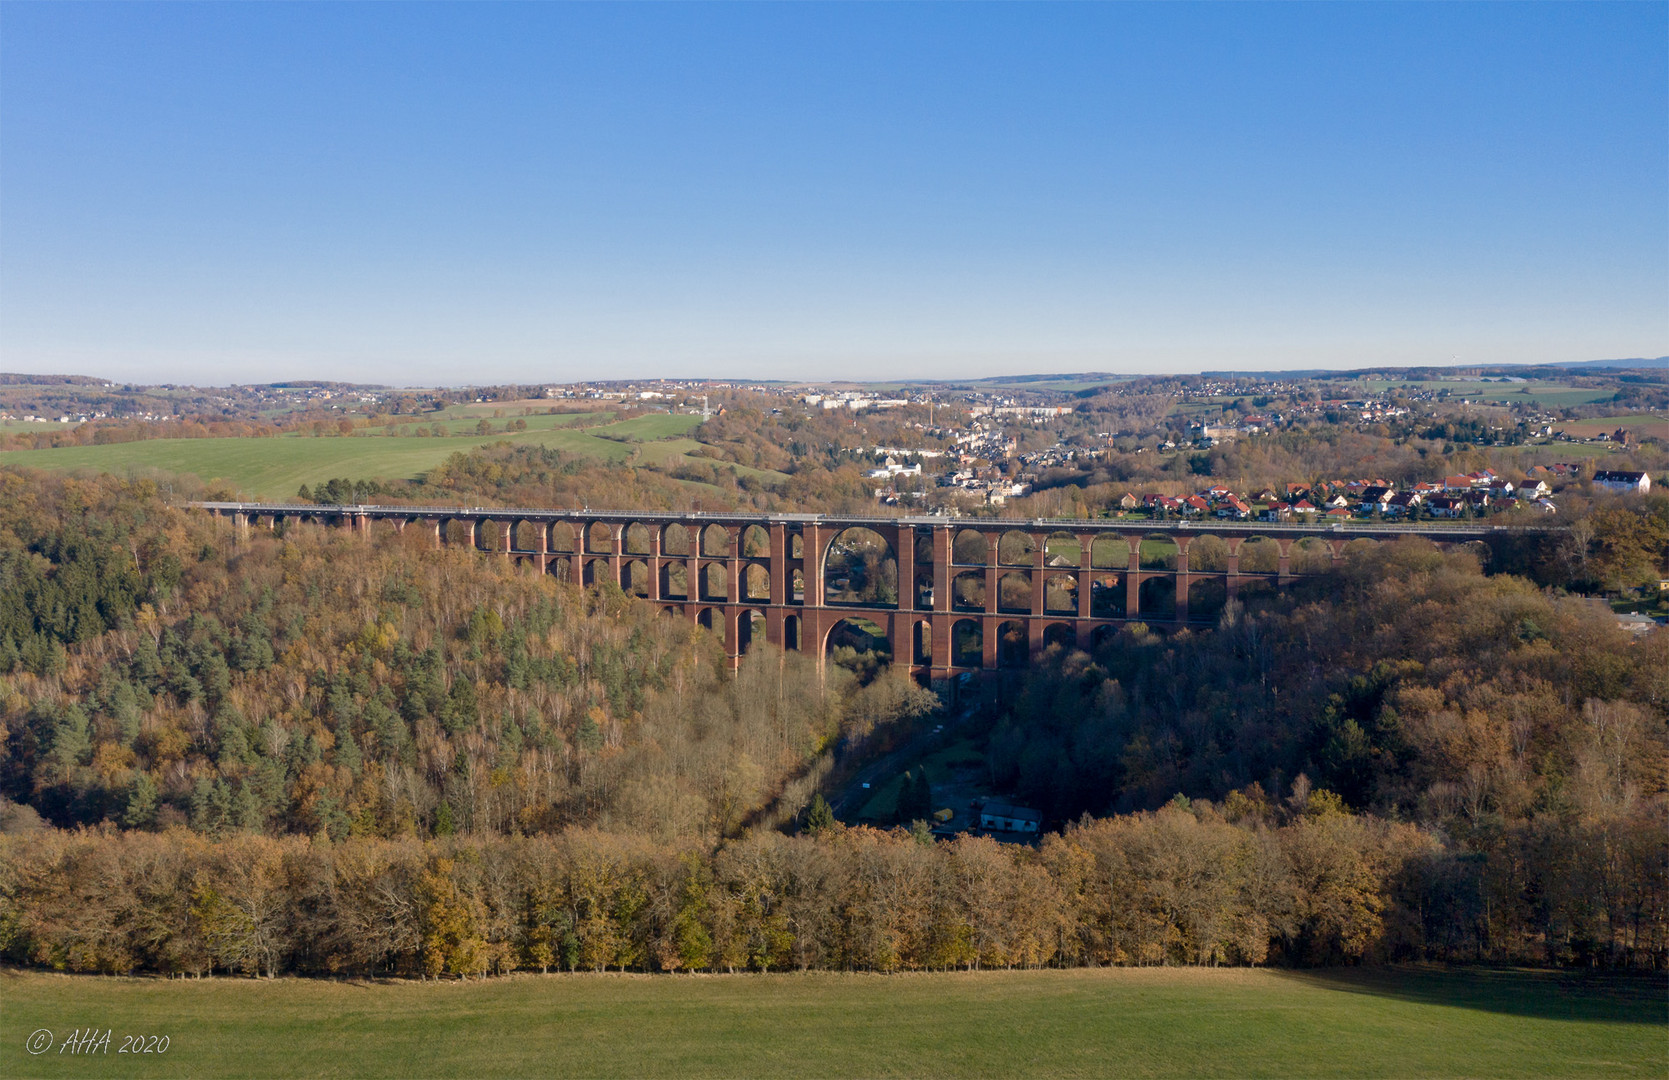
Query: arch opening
{"type": "Point", "coordinates": [636, 539]}
{"type": "Point", "coordinates": [560, 536]}
{"type": "Point", "coordinates": [635, 575]}
{"type": "Point", "coordinates": [1158, 552]}
{"type": "Point", "coordinates": [715, 582]}
{"type": "Point", "coordinates": [1016, 548]}
{"type": "Point", "coordinates": [1158, 598]}
{"type": "Point", "coordinates": [1062, 550]}
{"type": "Point", "coordinates": [1108, 596]}
{"type": "Point", "coordinates": [1109, 552]}
{"type": "Point", "coordinates": [967, 644]}
{"type": "Point", "coordinates": [675, 580]}
{"type": "Point", "coordinates": [1259, 555]}
{"type": "Point", "coordinates": [858, 645]}
{"type": "Point", "coordinates": [675, 541]}
{"type": "Point", "coordinates": [1013, 645]}
{"type": "Point", "coordinates": [750, 630]}
{"type": "Point", "coordinates": [756, 583]}
{"type": "Point", "coordinates": [1061, 635]}
{"type": "Point", "coordinates": [969, 548]}
{"type": "Point", "coordinates": [860, 569]}
{"type": "Point", "coordinates": [1014, 592]}
{"type": "Point", "coordinates": [967, 591]}
{"type": "Point", "coordinates": [1206, 597]}
{"type": "Point", "coordinates": [1060, 594]}
{"type": "Point", "coordinates": [715, 542]}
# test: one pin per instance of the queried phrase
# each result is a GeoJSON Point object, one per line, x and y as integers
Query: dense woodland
{"type": "Point", "coordinates": [315, 753]}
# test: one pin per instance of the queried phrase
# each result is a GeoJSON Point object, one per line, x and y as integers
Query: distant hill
{"type": "Point", "coordinates": [1636, 362]}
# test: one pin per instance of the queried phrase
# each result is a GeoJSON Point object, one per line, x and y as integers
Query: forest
{"type": "Point", "coordinates": [315, 753]}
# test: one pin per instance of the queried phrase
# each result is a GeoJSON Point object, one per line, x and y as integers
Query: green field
{"type": "Point", "coordinates": [1119, 1022]}
{"type": "Point", "coordinates": [273, 468]}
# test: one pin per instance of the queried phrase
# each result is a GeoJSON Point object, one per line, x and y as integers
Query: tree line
{"type": "Point", "coordinates": [1244, 883]}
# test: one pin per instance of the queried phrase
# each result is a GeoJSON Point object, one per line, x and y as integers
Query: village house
{"type": "Point", "coordinates": [1007, 817]}
{"type": "Point", "coordinates": [1622, 480]}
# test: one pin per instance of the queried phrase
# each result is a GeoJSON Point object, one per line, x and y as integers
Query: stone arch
{"type": "Point", "coordinates": [1102, 636]}
{"type": "Point", "coordinates": [599, 538]}
{"type": "Point", "coordinates": [1109, 551]}
{"type": "Point", "coordinates": [595, 571]}
{"type": "Point", "coordinates": [1060, 594]}
{"type": "Point", "coordinates": [1062, 550]}
{"type": "Point", "coordinates": [967, 591]}
{"type": "Point", "coordinates": [791, 634]}
{"type": "Point", "coordinates": [1159, 552]}
{"type": "Point", "coordinates": [560, 567]}
{"type": "Point", "coordinates": [921, 642]}
{"type": "Point", "coordinates": [1016, 548]}
{"type": "Point", "coordinates": [715, 581]}
{"type": "Point", "coordinates": [635, 539]}
{"type": "Point", "coordinates": [710, 619]}
{"type": "Point", "coordinates": [796, 586]}
{"type": "Point", "coordinates": [796, 545]}
{"type": "Point", "coordinates": [1158, 597]}
{"type": "Point", "coordinates": [458, 531]}
{"type": "Point", "coordinates": [1108, 596]}
{"type": "Point", "coordinates": [967, 643]}
{"type": "Point", "coordinates": [1061, 634]}
{"type": "Point", "coordinates": [675, 541]}
{"type": "Point", "coordinates": [1014, 647]}
{"type": "Point", "coordinates": [1259, 555]}
{"type": "Point", "coordinates": [969, 548]}
{"type": "Point", "coordinates": [635, 578]}
{"type": "Point", "coordinates": [860, 568]}
{"type": "Point", "coordinates": [715, 542]}
{"type": "Point", "coordinates": [527, 536]}
{"type": "Point", "coordinates": [755, 583]}
{"type": "Point", "coordinates": [756, 543]}
{"type": "Point", "coordinates": [1014, 592]}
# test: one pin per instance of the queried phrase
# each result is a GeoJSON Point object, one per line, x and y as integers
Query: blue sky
{"type": "Point", "coordinates": [469, 193]}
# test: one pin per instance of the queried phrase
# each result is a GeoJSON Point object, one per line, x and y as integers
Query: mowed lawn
{"type": "Point", "coordinates": [273, 468]}
{"type": "Point", "coordinates": [1122, 1022]}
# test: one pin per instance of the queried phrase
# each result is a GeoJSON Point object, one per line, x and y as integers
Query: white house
{"type": "Point", "coordinates": [1621, 480]}
{"type": "Point", "coordinates": [1006, 817]}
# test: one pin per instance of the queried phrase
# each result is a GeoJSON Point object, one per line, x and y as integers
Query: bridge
{"type": "Point", "coordinates": [945, 595]}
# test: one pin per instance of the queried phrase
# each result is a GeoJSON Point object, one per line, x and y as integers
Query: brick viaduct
{"type": "Point", "coordinates": [970, 594]}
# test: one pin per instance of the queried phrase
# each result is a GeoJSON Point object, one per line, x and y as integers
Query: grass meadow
{"type": "Point", "coordinates": [273, 468]}
{"type": "Point", "coordinates": [1150, 1022]}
